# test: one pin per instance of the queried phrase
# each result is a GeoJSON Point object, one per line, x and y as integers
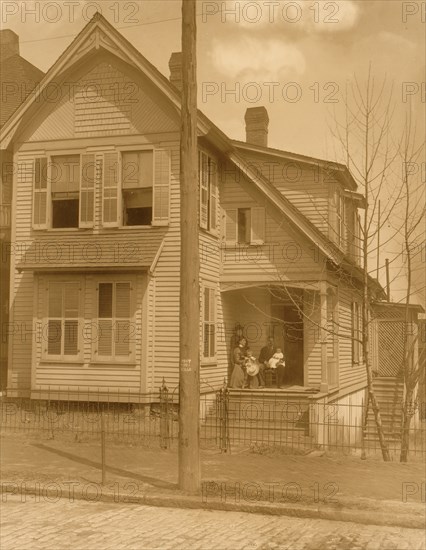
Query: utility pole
{"type": "Point", "coordinates": [189, 356]}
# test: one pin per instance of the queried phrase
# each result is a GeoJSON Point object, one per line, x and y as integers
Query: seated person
{"type": "Point", "coordinates": [276, 360]}
{"type": "Point", "coordinates": [280, 366]}
{"type": "Point", "coordinates": [252, 369]}
{"type": "Point", "coordinates": [265, 354]}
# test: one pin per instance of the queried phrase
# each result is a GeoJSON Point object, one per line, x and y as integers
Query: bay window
{"type": "Point", "coordinates": [113, 342]}
{"type": "Point", "coordinates": [63, 320]}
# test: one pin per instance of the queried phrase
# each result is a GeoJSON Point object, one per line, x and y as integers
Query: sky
{"type": "Point", "coordinates": [296, 58]}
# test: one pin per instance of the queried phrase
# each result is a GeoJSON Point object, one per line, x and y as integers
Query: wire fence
{"type": "Point", "coordinates": [259, 420]}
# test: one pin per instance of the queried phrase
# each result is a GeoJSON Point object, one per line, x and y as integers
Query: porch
{"type": "Point", "coordinates": [296, 316]}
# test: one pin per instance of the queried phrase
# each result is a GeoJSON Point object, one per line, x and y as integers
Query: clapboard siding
{"type": "Point", "coordinates": [304, 185]}
{"type": "Point", "coordinates": [349, 372]}
{"type": "Point", "coordinates": [108, 98]}
{"type": "Point", "coordinates": [286, 254]}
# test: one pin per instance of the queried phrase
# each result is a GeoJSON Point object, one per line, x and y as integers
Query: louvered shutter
{"type": "Point", "coordinates": [161, 196]}
{"type": "Point", "coordinates": [214, 199]}
{"type": "Point", "coordinates": [203, 176]}
{"type": "Point", "coordinates": [40, 189]}
{"type": "Point", "coordinates": [111, 191]}
{"type": "Point", "coordinates": [105, 305]}
{"type": "Point", "coordinates": [55, 311]}
{"type": "Point", "coordinates": [231, 225]}
{"type": "Point", "coordinates": [212, 346]}
{"type": "Point", "coordinates": [257, 225]}
{"type": "Point", "coordinates": [332, 214]}
{"type": "Point", "coordinates": [122, 322]}
{"type": "Point", "coordinates": [87, 190]}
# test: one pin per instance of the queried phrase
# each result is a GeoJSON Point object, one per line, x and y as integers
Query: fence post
{"type": "Point", "coordinates": [103, 453]}
{"type": "Point", "coordinates": [164, 416]}
{"type": "Point", "coordinates": [364, 426]}
{"type": "Point", "coordinates": [223, 402]}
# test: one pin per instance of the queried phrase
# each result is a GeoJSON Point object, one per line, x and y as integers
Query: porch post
{"type": "Point", "coordinates": [323, 332]}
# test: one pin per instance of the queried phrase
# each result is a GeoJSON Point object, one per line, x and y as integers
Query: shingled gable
{"type": "Point", "coordinates": [100, 34]}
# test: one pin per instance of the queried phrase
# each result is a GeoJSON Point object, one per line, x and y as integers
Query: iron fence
{"type": "Point", "coordinates": [257, 420]}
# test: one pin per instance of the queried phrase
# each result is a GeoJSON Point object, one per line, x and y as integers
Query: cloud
{"type": "Point", "coordinates": [336, 16]}
{"type": "Point", "coordinates": [390, 39]}
{"type": "Point", "coordinates": [257, 59]}
{"type": "Point", "coordinates": [323, 16]}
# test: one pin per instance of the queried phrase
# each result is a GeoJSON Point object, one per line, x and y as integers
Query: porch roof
{"type": "Point", "coordinates": [94, 253]}
{"type": "Point", "coordinates": [229, 286]}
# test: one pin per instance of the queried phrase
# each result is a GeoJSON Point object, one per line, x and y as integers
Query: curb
{"type": "Point", "coordinates": [386, 516]}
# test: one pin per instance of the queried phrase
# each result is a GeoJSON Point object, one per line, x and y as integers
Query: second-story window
{"type": "Point", "coordinates": [65, 191]}
{"type": "Point", "coordinates": [137, 186]}
{"type": "Point", "coordinates": [126, 189]}
{"type": "Point", "coordinates": [245, 225]}
{"type": "Point", "coordinates": [207, 175]}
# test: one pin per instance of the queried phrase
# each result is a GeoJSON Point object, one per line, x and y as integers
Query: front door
{"type": "Point", "coordinates": [289, 337]}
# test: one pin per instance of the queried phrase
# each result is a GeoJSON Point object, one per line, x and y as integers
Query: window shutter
{"type": "Point", "coordinates": [231, 225]}
{"type": "Point", "coordinates": [213, 196]}
{"type": "Point", "coordinates": [110, 196]}
{"type": "Point", "coordinates": [332, 214]}
{"type": "Point", "coordinates": [122, 323]}
{"type": "Point", "coordinates": [161, 196]}
{"type": "Point", "coordinates": [213, 322]}
{"type": "Point", "coordinates": [87, 190]}
{"type": "Point", "coordinates": [203, 176]}
{"type": "Point", "coordinates": [39, 182]}
{"type": "Point", "coordinates": [257, 225]}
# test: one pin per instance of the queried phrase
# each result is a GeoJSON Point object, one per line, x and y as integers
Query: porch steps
{"type": "Point", "coordinates": [269, 416]}
{"type": "Point", "coordinates": [389, 393]}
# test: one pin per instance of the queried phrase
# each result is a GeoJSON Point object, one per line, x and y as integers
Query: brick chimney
{"type": "Point", "coordinates": [257, 122]}
{"type": "Point", "coordinates": [9, 44]}
{"type": "Point", "coordinates": [175, 66]}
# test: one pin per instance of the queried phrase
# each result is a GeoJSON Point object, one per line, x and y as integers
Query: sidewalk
{"type": "Point", "coordinates": [329, 487]}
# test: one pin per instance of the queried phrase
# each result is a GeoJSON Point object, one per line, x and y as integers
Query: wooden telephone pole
{"type": "Point", "coordinates": [189, 371]}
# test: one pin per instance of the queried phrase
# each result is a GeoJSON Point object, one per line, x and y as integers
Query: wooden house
{"type": "Point", "coordinates": [95, 259]}
{"type": "Point", "coordinates": [18, 79]}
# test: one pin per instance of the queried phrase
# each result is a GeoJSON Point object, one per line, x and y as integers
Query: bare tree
{"type": "Point", "coordinates": [414, 214]}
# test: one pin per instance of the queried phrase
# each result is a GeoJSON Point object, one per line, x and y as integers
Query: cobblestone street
{"type": "Point", "coordinates": [86, 525]}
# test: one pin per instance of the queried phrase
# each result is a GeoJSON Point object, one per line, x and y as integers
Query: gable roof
{"type": "Point", "coordinates": [341, 170]}
{"type": "Point", "coordinates": [99, 33]}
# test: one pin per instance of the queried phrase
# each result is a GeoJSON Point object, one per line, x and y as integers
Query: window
{"type": "Point", "coordinates": [337, 216]}
{"type": "Point", "coordinates": [133, 189]}
{"type": "Point", "coordinates": [114, 321]}
{"type": "Point", "coordinates": [64, 191]}
{"type": "Point", "coordinates": [137, 193]}
{"type": "Point", "coordinates": [356, 333]}
{"type": "Point", "coordinates": [207, 175]}
{"type": "Point", "coordinates": [245, 226]}
{"type": "Point", "coordinates": [137, 187]}
{"type": "Point", "coordinates": [62, 324]}
{"type": "Point", "coordinates": [209, 323]}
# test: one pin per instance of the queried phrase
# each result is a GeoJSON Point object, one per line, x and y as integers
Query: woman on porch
{"type": "Point", "coordinates": [238, 378]}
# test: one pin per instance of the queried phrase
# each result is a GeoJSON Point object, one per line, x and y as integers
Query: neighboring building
{"type": "Point", "coordinates": [95, 269]}
{"type": "Point", "coordinates": [18, 78]}
{"type": "Point", "coordinates": [396, 337]}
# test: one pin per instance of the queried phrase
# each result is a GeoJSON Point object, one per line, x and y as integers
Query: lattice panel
{"type": "Point", "coordinates": [391, 338]}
